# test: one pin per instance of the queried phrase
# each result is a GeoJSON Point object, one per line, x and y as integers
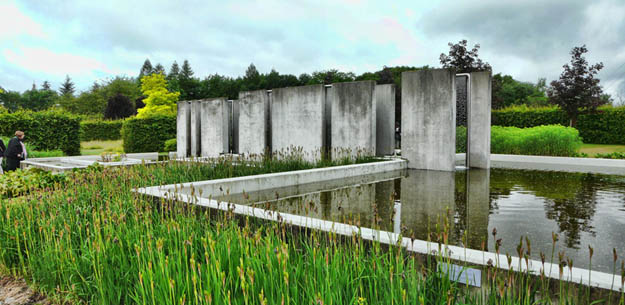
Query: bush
{"type": "Point", "coordinates": [552, 140]}
{"type": "Point", "coordinates": [171, 145]}
{"type": "Point", "coordinates": [45, 130]}
{"type": "Point", "coordinates": [100, 130]}
{"type": "Point", "coordinates": [119, 107]}
{"type": "Point", "coordinates": [148, 134]}
{"type": "Point", "coordinates": [20, 182]}
{"type": "Point", "coordinates": [614, 155]}
{"type": "Point", "coordinates": [606, 126]}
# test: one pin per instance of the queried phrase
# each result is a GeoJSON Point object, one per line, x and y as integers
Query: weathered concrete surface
{"type": "Point", "coordinates": [353, 119]}
{"type": "Point", "coordinates": [479, 120]}
{"type": "Point", "coordinates": [327, 126]}
{"type": "Point", "coordinates": [253, 122]}
{"type": "Point", "coordinates": [196, 121]}
{"type": "Point", "coordinates": [429, 119]}
{"type": "Point", "coordinates": [297, 121]}
{"type": "Point", "coordinates": [183, 129]}
{"type": "Point", "coordinates": [215, 131]}
{"type": "Point", "coordinates": [385, 119]}
{"type": "Point", "coordinates": [235, 127]}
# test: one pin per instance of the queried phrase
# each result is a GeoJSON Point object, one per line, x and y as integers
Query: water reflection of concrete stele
{"type": "Point", "coordinates": [429, 119]}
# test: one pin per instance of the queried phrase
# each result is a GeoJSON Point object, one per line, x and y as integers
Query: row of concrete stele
{"type": "Point", "coordinates": [343, 120]}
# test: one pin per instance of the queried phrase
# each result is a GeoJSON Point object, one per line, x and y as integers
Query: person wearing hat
{"type": "Point", "coordinates": [16, 151]}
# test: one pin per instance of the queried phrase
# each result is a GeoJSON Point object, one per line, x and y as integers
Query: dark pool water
{"type": "Point", "coordinates": [583, 209]}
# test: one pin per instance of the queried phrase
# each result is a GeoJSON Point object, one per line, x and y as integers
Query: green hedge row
{"type": "Point", "coordinates": [45, 130]}
{"type": "Point", "coordinates": [100, 130]}
{"type": "Point", "coordinates": [148, 134]}
{"type": "Point", "coordinates": [550, 140]}
{"type": "Point", "coordinates": [606, 126]}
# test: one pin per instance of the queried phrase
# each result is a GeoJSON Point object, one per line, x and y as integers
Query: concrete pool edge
{"type": "Point", "coordinates": [475, 257]}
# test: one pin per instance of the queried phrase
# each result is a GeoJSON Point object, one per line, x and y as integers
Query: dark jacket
{"type": "Point", "coordinates": [14, 148]}
{"type": "Point", "coordinates": [2, 148]}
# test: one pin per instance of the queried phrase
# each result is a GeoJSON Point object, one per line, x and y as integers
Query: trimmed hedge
{"type": "Point", "coordinates": [171, 145]}
{"type": "Point", "coordinates": [551, 140]}
{"type": "Point", "coordinates": [148, 134]}
{"type": "Point", "coordinates": [606, 126]}
{"type": "Point", "coordinates": [100, 130]}
{"type": "Point", "coordinates": [45, 130]}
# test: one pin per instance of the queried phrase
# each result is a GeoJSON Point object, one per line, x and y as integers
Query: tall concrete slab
{"type": "Point", "coordinates": [183, 129]}
{"type": "Point", "coordinates": [385, 119]}
{"type": "Point", "coordinates": [428, 119]}
{"type": "Point", "coordinates": [297, 121]}
{"type": "Point", "coordinates": [253, 122]}
{"type": "Point", "coordinates": [478, 148]}
{"type": "Point", "coordinates": [214, 127]}
{"type": "Point", "coordinates": [194, 133]}
{"type": "Point", "coordinates": [235, 127]}
{"type": "Point", "coordinates": [353, 119]}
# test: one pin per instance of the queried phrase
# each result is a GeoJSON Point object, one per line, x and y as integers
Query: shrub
{"type": "Point", "coordinates": [46, 130]}
{"type": "Point", "coordinates": [551, 140]}
{"type": "Point", "coordinates": [21, 182]}
{"type": "Point", "coordinates": [119, 107]}
{"type": "Point", "coordinates": [606, 126]}
{"type": "Point", "coordinates": [614, 155]}
{"type": "Point", "coordinates": [100, 130]}
{"type": "Point", "coordinates": [148, 134]}
{"type": "Point", "coordinates": [171, 145]}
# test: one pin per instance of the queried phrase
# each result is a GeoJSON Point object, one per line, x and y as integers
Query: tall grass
{"type": "Point", "coordinates": [549, 140]}
{"type": "Point", "coordinates": [93, 241]}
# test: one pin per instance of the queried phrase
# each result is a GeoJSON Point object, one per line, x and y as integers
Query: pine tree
{"type": "Point", "coordinates": [186, 72]}
{"type": "Point", "coordinates": [174, 72]}
{"type": "Point", "coordinates": [252, 78]}
{"type": "Point", "coordinates": [159, 69]}
{"type": "Point", "coordinates": [146, 69]}
{"type": "Point", "coordinates": [67, 88]}
{"type": "Point", "coordinates": [46, 86]}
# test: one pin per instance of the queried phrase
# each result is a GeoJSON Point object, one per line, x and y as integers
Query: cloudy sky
{"type": "Point", "coordinates": [93, 40]}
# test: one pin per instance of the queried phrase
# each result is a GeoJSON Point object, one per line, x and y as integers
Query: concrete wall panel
{"type": "Point", "coordinates": [479, 120]}
{"type": "Point", "coordinates": [194, 133]}
{"type": "Point", "coordinates": [385, 119]}
{"type": "Point", "coordinates": [183, 129]}
{"type": "Point", "coordinates": [253, 122]}
{"type": "Point", "coordinates": [428, 121]}
{"type": "Point", "coordinates": [297, 120]}
{"type": "Point", "coordinates": [353, 119]}
{"type": "Point", "coordinates": [215, 131]}
{"type": "Point", "coordinates": [235, 127]}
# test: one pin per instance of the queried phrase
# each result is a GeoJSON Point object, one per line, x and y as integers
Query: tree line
{"type": "Point", "coordinates": [122, 96]}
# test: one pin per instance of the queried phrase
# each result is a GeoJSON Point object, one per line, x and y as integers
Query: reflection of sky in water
{"type": "Point", "coordinates": [584, 209]}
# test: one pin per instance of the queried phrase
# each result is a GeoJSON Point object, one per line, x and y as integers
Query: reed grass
{"type": "Point", "coordinates": [93, 241]}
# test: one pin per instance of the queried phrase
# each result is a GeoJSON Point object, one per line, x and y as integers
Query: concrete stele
{"type": "Point", "coordinates": [194, 132]}
{"type": "Point", "coordinates": [479, 108]}
{"type": "Point", "coordinates": [215, 131]}
{"type": "Point", "coordinates": [428, 121]}
{"type": "Point", "coordinates": [183, 129]}
{"type": "Point", "coordinates": [353, 119]}
{"type": "Point", "coordinates": [385, 119]}
{"type": "Point", "coordinates": [253, 122]}
{"type": "Point", "coordinates": [297, 121]}
{"type": "Point", "coordinates": [235, 127]}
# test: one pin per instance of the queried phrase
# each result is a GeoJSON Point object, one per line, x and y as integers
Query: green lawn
{"type": "Point", "coordinates": [592, 149]}
{"type": "Point", "coordinates": [98, 147]}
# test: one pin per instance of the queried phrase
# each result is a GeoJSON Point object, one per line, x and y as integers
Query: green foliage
{"type": "Point", "coordinates": [614, 155]}
{"type": "Point", "coordinates": [148, 134]}
{"type": "Point", "coordinates": [463, 60]}
{"type": "Point", "coordinates": [100, 130]}
{"type": "Point", "coordinates": [45, 130]}
{"type": "Point", "coordinates": [67, 88]}
{"type": "Point", "coordinates": [34, 99]}
{"type": "Point", "coordinates": [551, 140]}
{"type": "Point", "coordinates": [605, 126]}
{"type": "Point", "coordinates": [158, 100]}
{"type": "Point", "coordinates": [509, 92]}
{"type": "Point", "coordinates": [21, 182]}
{"type": "Point", "coordinates": [170, 145]}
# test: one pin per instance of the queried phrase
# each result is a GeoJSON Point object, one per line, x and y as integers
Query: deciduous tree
{"type": "Point", "coordinates": [158, 99]}
{"type": "Point", "coordinates": [463, 60]}
{"type": "Point", "coordinates": [577, 90]}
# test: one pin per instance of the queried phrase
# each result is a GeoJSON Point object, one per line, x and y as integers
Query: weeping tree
{"type": "Point", "coordinates": [577, 91]}
{"type": "Point", "coordinates": [119, 106]}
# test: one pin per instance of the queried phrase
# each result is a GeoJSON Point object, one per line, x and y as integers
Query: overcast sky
{"type": "Point", "coordinates": [93, 40]}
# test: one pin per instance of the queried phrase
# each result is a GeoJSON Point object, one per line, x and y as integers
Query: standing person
{"type": "Point", "coordinates": [16, 151]}
{"type": "Point", "coordinates": [2, 150]}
